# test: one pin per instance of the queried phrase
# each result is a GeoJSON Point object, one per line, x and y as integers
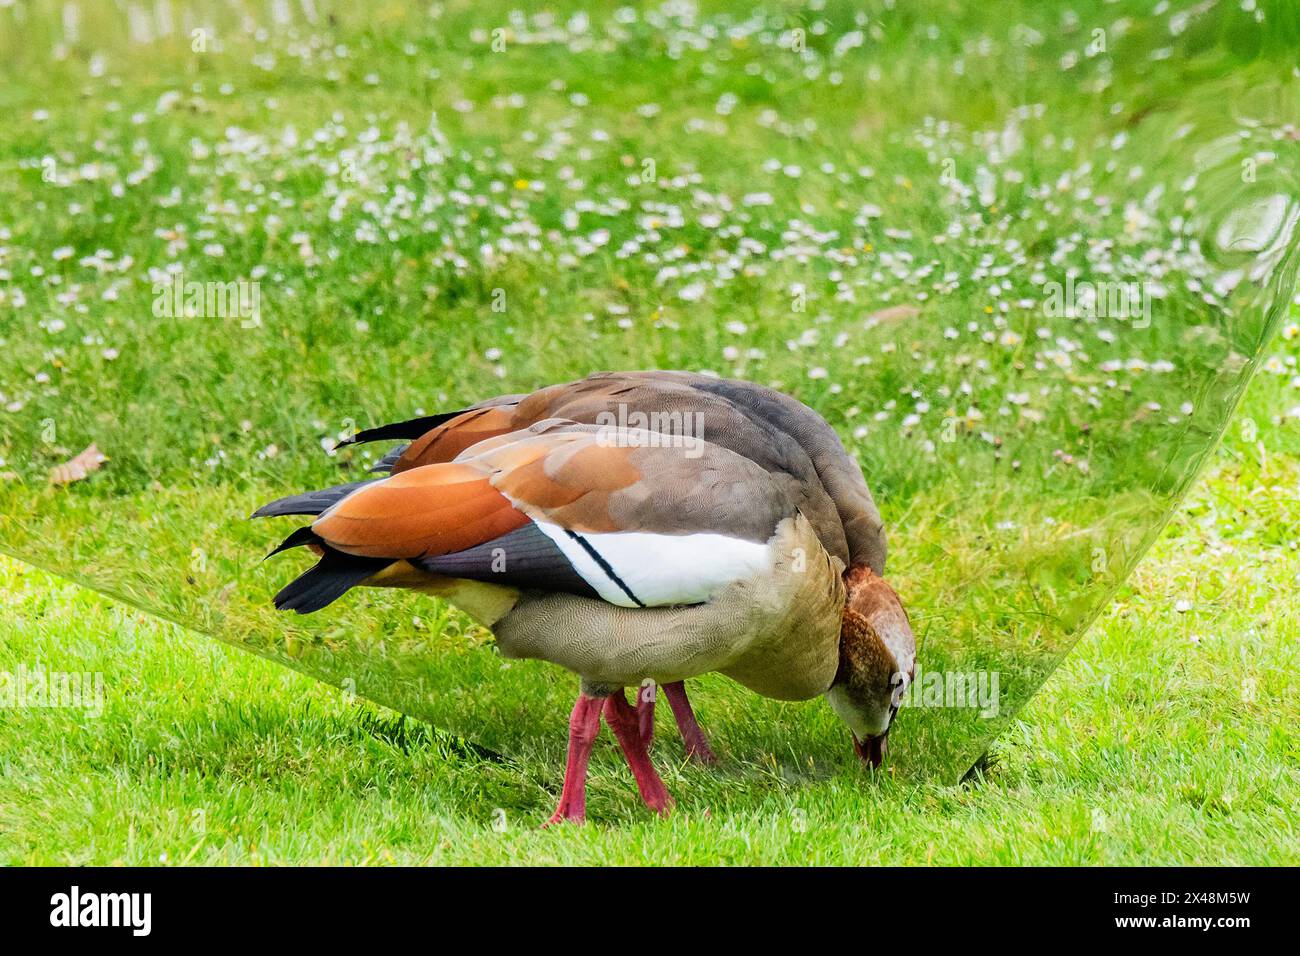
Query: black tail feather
{"type": "Point", "coordinates": [407, 430]}
{"type": "Point", "coordinates": [303, 535]}
{"type": "Point", "coordinates": [309, 502]}
{"type": "Point", "coordinates": [327, 580]}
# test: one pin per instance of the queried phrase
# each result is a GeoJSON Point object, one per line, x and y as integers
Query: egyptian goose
{"type": "Point", "coordinates": [789, 439]}
{"type": "Point", "coordinates": [736, 537]}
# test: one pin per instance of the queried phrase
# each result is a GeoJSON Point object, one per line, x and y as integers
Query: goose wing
{"type": "Point", "coordinates": [787, 438]}
{"type": "Point", "coordinates": [619, 514]}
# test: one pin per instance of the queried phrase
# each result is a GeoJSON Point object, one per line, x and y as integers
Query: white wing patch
{"type": "Point", "coordinates": [636, 568]}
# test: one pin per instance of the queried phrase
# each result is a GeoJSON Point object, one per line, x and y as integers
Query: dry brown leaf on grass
{"type": "Point", "coordinates": [894, 313]}
{"type": "Point", "coordinates": [78, 467]}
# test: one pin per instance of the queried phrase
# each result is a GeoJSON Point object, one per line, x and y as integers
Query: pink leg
{"type": "Point", "coordinates": [622, 720]}
{"type": "Point", "coordinates": [697, 746]}
{"type": "Point", "coordinates": [645, 712]}
{"type": "Point", "coordinates": [584, 725]}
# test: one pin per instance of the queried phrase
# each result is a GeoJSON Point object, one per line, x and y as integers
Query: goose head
{"type": "Point", "coordinates": [877, 662]}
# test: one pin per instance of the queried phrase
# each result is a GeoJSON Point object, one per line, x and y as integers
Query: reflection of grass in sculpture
{"type": "Point", "coordinates": [1143, 749]}
{"type": "Point", "coordinates": [982, 600]}
{"type": "Point", "coordinates": [189, 407]}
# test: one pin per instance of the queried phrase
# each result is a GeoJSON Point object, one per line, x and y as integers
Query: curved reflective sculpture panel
{"type": "Point", "coordinates": [1028, 307]}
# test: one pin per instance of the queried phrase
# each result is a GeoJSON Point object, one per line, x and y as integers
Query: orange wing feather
{"type": "Point", "coordinates": [451, 438]}
{"type": "Point", "coordinates": [571, 482]}
{"type": "Point", "coordinates": [433, 510]}
{"type": "Point", "coordinates": [564, 476]}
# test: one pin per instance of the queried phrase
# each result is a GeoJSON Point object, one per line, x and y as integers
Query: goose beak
{"type": "Point", "coordinates": [872, 749]}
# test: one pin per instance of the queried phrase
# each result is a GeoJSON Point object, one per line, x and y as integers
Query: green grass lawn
{"type": "Point", "coordinates": [863, 205]}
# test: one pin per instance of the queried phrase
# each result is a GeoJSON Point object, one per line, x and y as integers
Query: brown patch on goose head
{"type": "Point", "coordinates": [877, 661]}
